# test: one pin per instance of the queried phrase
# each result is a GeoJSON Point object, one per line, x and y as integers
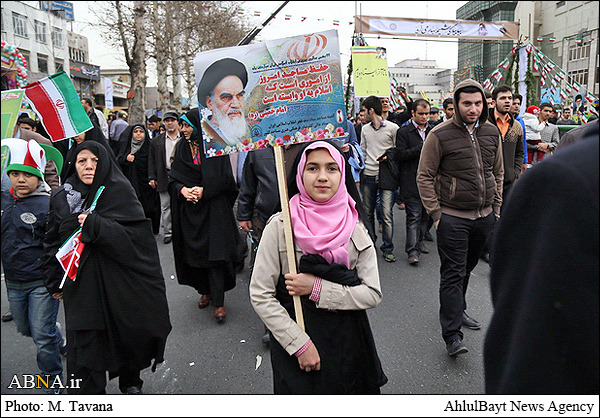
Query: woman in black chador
{"type": "Point", "coordinates": [133, 159]}
{"type": "Point", "coordinates": [116, 312]}
{"type": "Point", "coordinates": [205, 234]}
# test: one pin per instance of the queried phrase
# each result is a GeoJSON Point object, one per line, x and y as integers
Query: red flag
{"type": "Point", "coordinates": [69, 254]}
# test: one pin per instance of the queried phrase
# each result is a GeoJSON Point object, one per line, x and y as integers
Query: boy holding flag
{"type": "Point", "coordinates": [24, 211]}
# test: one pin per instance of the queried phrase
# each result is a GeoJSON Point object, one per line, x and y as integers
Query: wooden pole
{"type": "Point", "coordinates": [287, 226]}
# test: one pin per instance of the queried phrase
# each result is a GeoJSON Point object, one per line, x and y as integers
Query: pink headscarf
{"type": "Point", "coordinates": [323, 228]}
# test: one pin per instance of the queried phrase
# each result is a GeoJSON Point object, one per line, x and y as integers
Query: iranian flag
{"type": "Point", "coordinates": [563, 95]}
{"type": "Point", "coordinates": [590, 97]}
{"type": "Point", "coordinates": [55, 100]}
{"type": "Point", "coordinates": [69, 254]}
{"type": "Point", "coordinates": [568, 88]}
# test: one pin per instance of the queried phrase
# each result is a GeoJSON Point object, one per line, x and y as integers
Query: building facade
{"type": "Point", "coordinates": [568, 35]}
{"type": "Point", "coordinates": [478, 59]}
{"type": "Point", "coordinates": [41, 36]}
{"type": "Point", "coordinates": [417, 76]}
{"type": "Point", "coordinates": [48, 45]}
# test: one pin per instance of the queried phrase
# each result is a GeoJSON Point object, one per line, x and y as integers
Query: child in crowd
{"type": "Point", "coordinates": [533, 127]}
{"type": "Point", "coordinates": [337, 282]}
{"type": "Point", "coordinates": [24, 212]}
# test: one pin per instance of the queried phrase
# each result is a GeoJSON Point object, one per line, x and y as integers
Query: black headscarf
{"type": "Point", "coordinates": [183, 168]}
{"type": "Point", "coordinates": [117, 190]}
{"type": "Point", "coordinates": [94, 135]}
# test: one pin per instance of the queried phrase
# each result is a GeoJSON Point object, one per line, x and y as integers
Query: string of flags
{"type": "Point", "coordinates": [258, 13]}
{"type": "Point", "coordinates": [552, 39]}
{"type": "Point", "coordinates": [550, 74]}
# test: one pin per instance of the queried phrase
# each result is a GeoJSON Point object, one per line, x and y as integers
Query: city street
{"type": "Point", "coordinates": [204, 357]}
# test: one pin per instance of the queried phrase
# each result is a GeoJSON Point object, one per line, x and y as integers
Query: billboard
{"type": "Point", "coordinates": [276, 92]}
{"type": "Point", "coordinates": [65, 8]}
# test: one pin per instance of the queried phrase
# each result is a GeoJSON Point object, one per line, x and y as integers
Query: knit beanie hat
{"type": "Point", "coordinates": [28, 156]}
{"type": "Point", "coordinates": [533, 109]}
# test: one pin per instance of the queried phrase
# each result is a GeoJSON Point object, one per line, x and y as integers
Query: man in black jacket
{"type": "Point", "coordinates": [159, 164]}
{"type": "Point", "coordinates": [512, 145]}
{"type": "Point", "coordinates": [543, 336]}
{"type": "Point", "coordinates": [409, 142]}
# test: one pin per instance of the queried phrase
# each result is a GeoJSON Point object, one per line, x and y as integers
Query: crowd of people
{"type": "Point", "coordinates": [114, 187]}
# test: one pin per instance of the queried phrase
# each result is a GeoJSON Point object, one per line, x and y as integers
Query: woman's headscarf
{"type": "Point", "coordinates": [323, 228]}
{"type": "Point", "coordinates": [186, 169]}
{"type": "Point", "coordinates": [118, 200]}
{"type": "Point", "coordinates": [137, 145]}
{"type": "Point", "coordinates": [193, 119]}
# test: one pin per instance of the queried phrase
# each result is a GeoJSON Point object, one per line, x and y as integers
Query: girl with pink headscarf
{"type": "Point", "coordinates": [337, 281]}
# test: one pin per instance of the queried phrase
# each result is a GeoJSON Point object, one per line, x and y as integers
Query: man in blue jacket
{"type": "Point", "coordinates": [24, 212]}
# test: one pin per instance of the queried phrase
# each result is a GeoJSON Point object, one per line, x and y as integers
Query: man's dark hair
{"type": "Point", "coordinates": [501, 89]}
{"type": "Point", "coordinates": [154, 118]}
{"type": "Point", "coordinates": [546, 104]}
{"type": "Point", "coordinates": [447, 102]}
{"type": "Point", "coordinates": [401, 108]}
{"type": "Point", "coordinates": [518, 96]}
{"type": "Point", "coordinates": [373, 102]}
{"type": "Point", "coordinates": [28, 121]}
{"type": "Point", "coordinates": [470, 89]}
{"type": "Point", "coordinates": [420, 102]}
{"type": "Point", "coordinates": [488, 95]}
{"type": "Point", "coordinates": [88, 101]}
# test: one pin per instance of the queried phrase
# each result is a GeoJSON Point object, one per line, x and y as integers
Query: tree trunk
{"type": "Point", "coordinates": [159, 27]}
{"type": "Point", "coordinates": [176, 84]}
{"type": "Point", "coordinates": [137, 67]}
{"type": "Point", "coordinates": [189, 77]}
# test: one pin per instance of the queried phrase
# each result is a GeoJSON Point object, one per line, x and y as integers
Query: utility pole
{"type": "Point", "coordinates": [250, 37]}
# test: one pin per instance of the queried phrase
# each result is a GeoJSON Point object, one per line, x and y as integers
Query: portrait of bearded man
{"type": "Point", "coordinates": [221, 91]}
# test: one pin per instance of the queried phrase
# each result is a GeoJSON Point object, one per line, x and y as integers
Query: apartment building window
{"type": "Point", "coordinates": [25, 55]}
{"type": "Point", "coordinates": [42, 63]}
{"type": "Point", "coordinates": [58, 65]}
{"type": "Point", "coordinates": [57, 37]}
{"type": "Point", "coordinates": [580, 76]}
{"type": "Point", "coordinates": [577, 52]}
{"type": "Point", "coordinates": [20, 24]}
{"type": "Point", "coordinates": [560, 4]}
{"type": "Point", "coordinates": [77, 55]}
{"type": "Point", "coordinates": [40, 32]}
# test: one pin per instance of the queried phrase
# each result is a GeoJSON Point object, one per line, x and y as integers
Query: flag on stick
{"type": "Point", "coordinates": [590, 97]}
{"type": "Point", "coordinates": [55, 99]}
{"type": "Point", "coordinates": [563, 95]}
{"type": "Point", "coordinates": [69, 254]}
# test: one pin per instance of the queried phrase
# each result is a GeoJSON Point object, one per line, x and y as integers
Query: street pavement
{"type": "Point", "coordinates": [204, 357]}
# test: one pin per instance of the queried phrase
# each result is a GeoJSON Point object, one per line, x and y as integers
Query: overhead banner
{"type": "Point", "coordinates": [11, 105]}
{"type": "Point", "coordinates": [464, 29]}
{"type": "Point", "coordinates": [370, 71]}
{"type": "Point", "coordinates": [271, 93]}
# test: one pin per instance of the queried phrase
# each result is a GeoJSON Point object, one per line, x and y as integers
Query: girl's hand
{"type": "Point", "coordinates": [310, 359]}
{"type": "Point", "coordinates": [299, 284]}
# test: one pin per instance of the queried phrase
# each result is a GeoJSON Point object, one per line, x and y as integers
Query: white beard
{"type": "Point", "coordinates": [233, 129]}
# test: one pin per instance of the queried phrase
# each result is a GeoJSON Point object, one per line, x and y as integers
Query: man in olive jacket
{"type": "Point", "coordinates": [460, 178]}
